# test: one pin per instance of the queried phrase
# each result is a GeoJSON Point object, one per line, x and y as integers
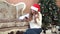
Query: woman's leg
{"type": "Point", "coordinates": [29, 31]}
{"type": "Point", "coordinates": [33, 31]}
{"type": "Point", "coordinates": [38, 31]}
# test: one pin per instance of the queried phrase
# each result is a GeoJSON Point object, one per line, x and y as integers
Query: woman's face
{"type": "Point", "coordinates": [33, 11]}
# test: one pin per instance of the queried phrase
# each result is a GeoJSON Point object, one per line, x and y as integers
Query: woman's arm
{"type": "Point", "coordinates": [24, 17]}
{"type": "Point", "coordinates": [39, 19]}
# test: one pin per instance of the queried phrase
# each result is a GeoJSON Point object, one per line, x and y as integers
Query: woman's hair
{"type": "Point", "coordinates": [30, 16]}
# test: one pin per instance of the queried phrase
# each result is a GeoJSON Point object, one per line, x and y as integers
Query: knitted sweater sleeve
{"type": "Point", "coordinates": [22, 17]}
{"type": "Point", "coordinates": [39, 21]}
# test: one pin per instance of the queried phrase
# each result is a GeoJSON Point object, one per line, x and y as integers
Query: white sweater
{"type": "Point", "coordinates": [32, 23]}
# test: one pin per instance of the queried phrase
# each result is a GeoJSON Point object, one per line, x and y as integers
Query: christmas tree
{"type": "Point", "coordinates": [50, 12]}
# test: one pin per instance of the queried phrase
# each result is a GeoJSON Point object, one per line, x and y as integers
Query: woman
{"type": "Point", "coordinates": [35, 20]}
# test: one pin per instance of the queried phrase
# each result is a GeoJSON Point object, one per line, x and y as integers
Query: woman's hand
{"type": "Point", "coordinates": [26, 19]}
{"type": "Point", "coordinates": [36, 17]}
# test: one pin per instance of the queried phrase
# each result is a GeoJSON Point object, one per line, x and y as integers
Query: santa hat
{"type": "Point", "coordinates": [36, 7]}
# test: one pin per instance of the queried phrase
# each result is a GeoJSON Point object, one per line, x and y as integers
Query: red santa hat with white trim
{"type": "Point", "coordinates": [36, 7]}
